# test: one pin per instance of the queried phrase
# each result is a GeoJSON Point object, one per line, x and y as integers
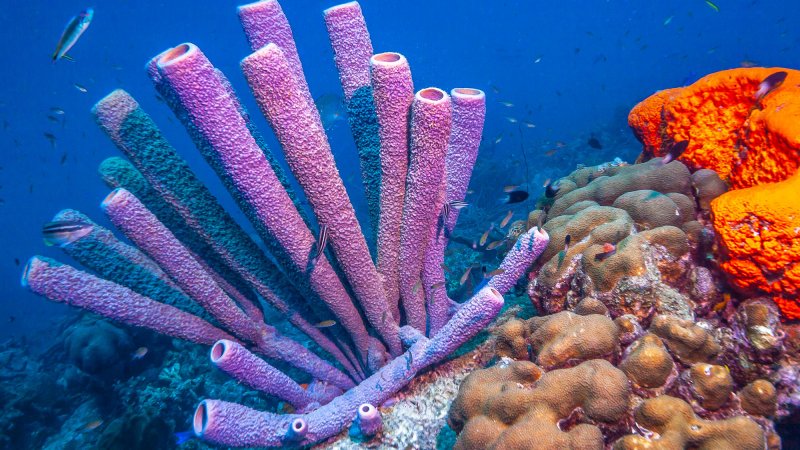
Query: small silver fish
{"type": "Point", "coordinates": [322, 242]}
{"type": "Point", "coordinates": [72, 32]}
{"type": "Point", "coordinates": [331, 109]}
{"type": "Point", "coordinates": [63, 232]}
{"type": "Point", "coordinates": [325, 324]}
{"type": "Point", "coordinates": [81, 88]}
{"type": "Point", "coordinates": [140, 353]}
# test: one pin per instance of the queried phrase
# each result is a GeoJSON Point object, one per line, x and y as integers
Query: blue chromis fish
{"type": "Point", "coordinates": [72, 32]}
{"type": "Point", "coordinates": [63, 232]}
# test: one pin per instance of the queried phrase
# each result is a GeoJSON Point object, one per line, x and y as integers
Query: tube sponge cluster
{"type": "Point", "coordinates": [195, 274]}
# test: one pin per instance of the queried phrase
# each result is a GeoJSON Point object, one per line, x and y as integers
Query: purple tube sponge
{"type": "Point", "coordinates": [235, 360]}
{"type": "Point", "coordinates": [469, 110]}
{"type": "Point", "coordinates": [144, 229]}
{"type": "Point", "coordinates": [393, 91]}
{"type": "Point", "coordinates": [368, 421]}
{"type": "Point", "coordinates": [237, 425]}
{"type": "Point", "coordinates": [250, 172]}
{"type": "Point", "coordinates": [264, 22]}
{"type": "Point", "coordinates": [518, 260]}
{"type": "Point", "coordinates": [430, 132]}
{"type": "Point", "coordinates": [62, 283]}
{"type": "Point", "coordinates": [298, 127]}
{"type": "Point", "coordinates": [352, 49]}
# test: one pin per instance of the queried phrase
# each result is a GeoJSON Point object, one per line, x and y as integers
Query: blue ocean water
{"type": "Point", "coordinates": [555, 73]}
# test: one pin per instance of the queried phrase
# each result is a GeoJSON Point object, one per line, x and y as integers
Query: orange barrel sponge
{"type": "Point", "coordinates": [748, 135]}
{"type": "Point", "coordinates": [758, 230]}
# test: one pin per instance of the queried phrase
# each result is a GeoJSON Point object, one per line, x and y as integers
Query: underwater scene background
{"type": "Point", "coordinates": [560, 80]}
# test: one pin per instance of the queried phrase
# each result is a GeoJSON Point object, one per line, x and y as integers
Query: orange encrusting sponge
{"type": "Point", "coordinates": [758, 229]}
{"type": "Point", "coordinates": [745, 143]}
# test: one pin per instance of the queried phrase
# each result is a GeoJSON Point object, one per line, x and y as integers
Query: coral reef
{"type": "Point", "coordinates": [631, 229]}
{"type": "Point", "coordinates": [194, 274]}
{"type": "Point", "coordinates": [741, 123]}
{"type": "Point", "coordinates": [683, 385]}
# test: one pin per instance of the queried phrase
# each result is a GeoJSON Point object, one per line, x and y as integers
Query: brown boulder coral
{"type": "Point", "coordinates": [498, 408]}
{"type": "Point", "coordinates": [670, 423]}
{"type": "Point", "coordinates": [634, 232]}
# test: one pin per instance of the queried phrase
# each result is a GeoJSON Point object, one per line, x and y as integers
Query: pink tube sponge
{"type": "Point", "coordinates": [351, 44]}
{"type": "Point", "coordinates": [519, 259]}
{"type": "Point", "coordinates": [298, 127]}
{"type": "Point", "coordinates": [235, 360]}
{"type": "Point", "coordinates": [368, 421]}
{"type": "Point", "coordinates": [63, 283]}
{"type": "Point", "coordinates": [393, 92]}
{"type": "Point", "coordinates": [469, 111]}
{"type": "Point", "coordinates": [430, 133]}
{"type": "Point", "coordinates": [128, 214]}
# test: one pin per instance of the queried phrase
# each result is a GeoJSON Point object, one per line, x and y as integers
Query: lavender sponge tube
{"type": "Point", "coordinates": [298, 127]}
{"type": "Point", "coordinates": [235, 360]}
{"type": "Point", "coordinates": [352, 50]}
{"type": "Point", "coordinates": [267, 203]}
{"type": "Point", "coordinates": [62, 283]}
{"type": "Point", "coordinates": [469, 111]}
{"type": "Point", "coordinates": [231, 424]}
{"type": "Point", "coordinates": [150, 235]}
{"type": "Point", "coordinates": [393, 91]}
{"type": "Point", "coordinates": [430, 133]}
{"type": "Point", "coordinates": [519, 259]}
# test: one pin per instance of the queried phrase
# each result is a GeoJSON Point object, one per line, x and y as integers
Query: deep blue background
{"type": "Point", "coordinates": [596, 59]}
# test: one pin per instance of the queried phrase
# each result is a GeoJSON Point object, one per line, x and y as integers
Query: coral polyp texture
{"type": "Point", "coordinates": [634, 232]}
{"type": "Point", "coordinates": [742, 124]}
{"type": "Point", "coordinates": [195, 274]}
{"type": "Point", "coordinates": [587, 381]}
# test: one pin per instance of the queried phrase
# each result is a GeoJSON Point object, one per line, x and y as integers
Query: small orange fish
{"type": "Point", "coordinates": [495, 244]}
{"type": "Point", "coordinates": [92, 425]}
{"type": "Point", "coordinates": [140, 352]}
{"type": "Point", "coordinates": [304, 385]}
{"type": "Point", "coordinates": [505, 220]}
{"type": "Point", "coordinates": [465, 277]}
{"type": "Point", "coordinates": [484, 237]}
{"type": "Point", "coordinates": [550, 152]}
{"type": "Point", "coordinates": [325, 324]}
{"type": "Point", "coordinates": [494, 273]}
{"type": "Point", "coordinates": [726, 298]}
{"type": "Point", "coordinates": [608, 250]}
{"type": "Point", "coordinates": [446, 269]}
{"type": "Point", "coordinates": [437, 286]}
{"type": "Point", "coordinates": [560, 144]}
{"type": "Point", "coordinates": [510, 188]}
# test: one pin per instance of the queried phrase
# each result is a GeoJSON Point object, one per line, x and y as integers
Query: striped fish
{"type": "Point", "coordinates": [62, 232]}
{"type": "Point", "coordinates": [322, 242]}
